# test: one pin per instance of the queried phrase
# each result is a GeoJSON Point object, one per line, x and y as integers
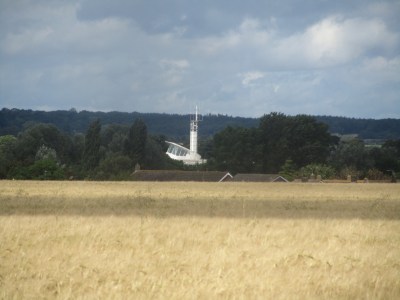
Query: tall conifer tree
{"type": "Point", "coordinates": [135, 145]}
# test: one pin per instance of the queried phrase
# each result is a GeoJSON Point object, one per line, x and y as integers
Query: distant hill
{"type": "Point", "coordinates": [175, 126]}
{"type": "Point", "coordinates": [365, 128]}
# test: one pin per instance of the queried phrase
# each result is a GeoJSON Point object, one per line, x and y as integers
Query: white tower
{"type": "Point", "coordinates": [194, 126]}
{"type": "Point", "coordinates": [188, 156]}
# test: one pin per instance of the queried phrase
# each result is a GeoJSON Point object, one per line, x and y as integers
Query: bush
{"type": "Point", "coordinates": [375, 174]}
{"type": "Point", "coordinates": [326, 172]}
{"type": "Point", "coordinates": [288, 170]}
{"type": "Point", "coordinates": [114, 167]}
{"type": "Point", "coordinates": [46, 169]}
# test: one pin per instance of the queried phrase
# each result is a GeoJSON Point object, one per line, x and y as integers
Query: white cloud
{"type": "Point", "coordinates": [334, 41]}
{"type": "Point", "coordinates": [249, 77]}
{"type": "Point", "coordinates": [330, 42]}
{"type": "Point", "coordinates": [249, 34]}
{"type": "Point", "coordinates": [173, 70]}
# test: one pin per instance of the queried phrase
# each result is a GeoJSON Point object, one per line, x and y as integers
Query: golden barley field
{"type": "Point", "coordinates": [132, 240]}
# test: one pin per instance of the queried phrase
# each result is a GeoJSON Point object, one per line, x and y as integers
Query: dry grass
{"type": "Point", "coordinates": [199, 240]}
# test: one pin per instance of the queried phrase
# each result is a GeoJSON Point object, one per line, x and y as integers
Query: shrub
{"type": "Point", "coordinates": [326, 172]}
{"type": "Point", "coordinates": [46, 169]}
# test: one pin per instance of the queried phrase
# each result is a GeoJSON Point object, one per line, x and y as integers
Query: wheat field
{"type": "Point", "coordinates": [120, 240]}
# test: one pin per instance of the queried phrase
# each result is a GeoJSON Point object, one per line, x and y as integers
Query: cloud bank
{"type": "Point", "coordinates": [229, 57]}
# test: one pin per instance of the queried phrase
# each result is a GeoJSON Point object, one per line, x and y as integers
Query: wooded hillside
{"type": "Point", "coordinates": [176, 127]}
{"type": "Point", "coordinates": [171, 125]}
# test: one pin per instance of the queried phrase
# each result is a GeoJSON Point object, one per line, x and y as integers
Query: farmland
{"type": "Point", "coordinates": [199, 240]}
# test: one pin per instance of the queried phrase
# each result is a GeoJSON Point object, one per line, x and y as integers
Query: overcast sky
{"type": "Point", "coordinates": [235, 57]}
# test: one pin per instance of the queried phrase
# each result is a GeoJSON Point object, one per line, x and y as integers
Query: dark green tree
{"type": "Point", "coordinates": [236, 149]}
{"type": "Point", "coordinates": [7, 157]}
{"type": "Point", "coordinates": [300, 139]}
{"type": "Point", "coordinates": [113, 138]}
{"type": "Point", "coordinates": [91, 153]}
{"type": "Point", "coordinates": [155, 157]}
{"type": "Point", "coordinates": [274, 135]}
{"type": "Point", "coordinates": [350, 154]}
{"type": "Point", "coordinates": [135, 144]}
{"type": "Point", "coordinates": [38, 135]}
{"type": "Point", "coordinates": [309, 140]}
{"type": "Point", "coordinates": [387, 158]}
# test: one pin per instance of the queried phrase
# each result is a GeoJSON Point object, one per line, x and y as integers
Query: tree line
{"type": "Point", "coordinates": [110, 152]}
{"type": "Point", "coordinates": [300, 146]}
{"type": "Point", "coordinates": [294, 146]}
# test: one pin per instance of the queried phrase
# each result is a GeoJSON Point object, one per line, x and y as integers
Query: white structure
{"type": "Point", "coordinates": [188, 156]}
